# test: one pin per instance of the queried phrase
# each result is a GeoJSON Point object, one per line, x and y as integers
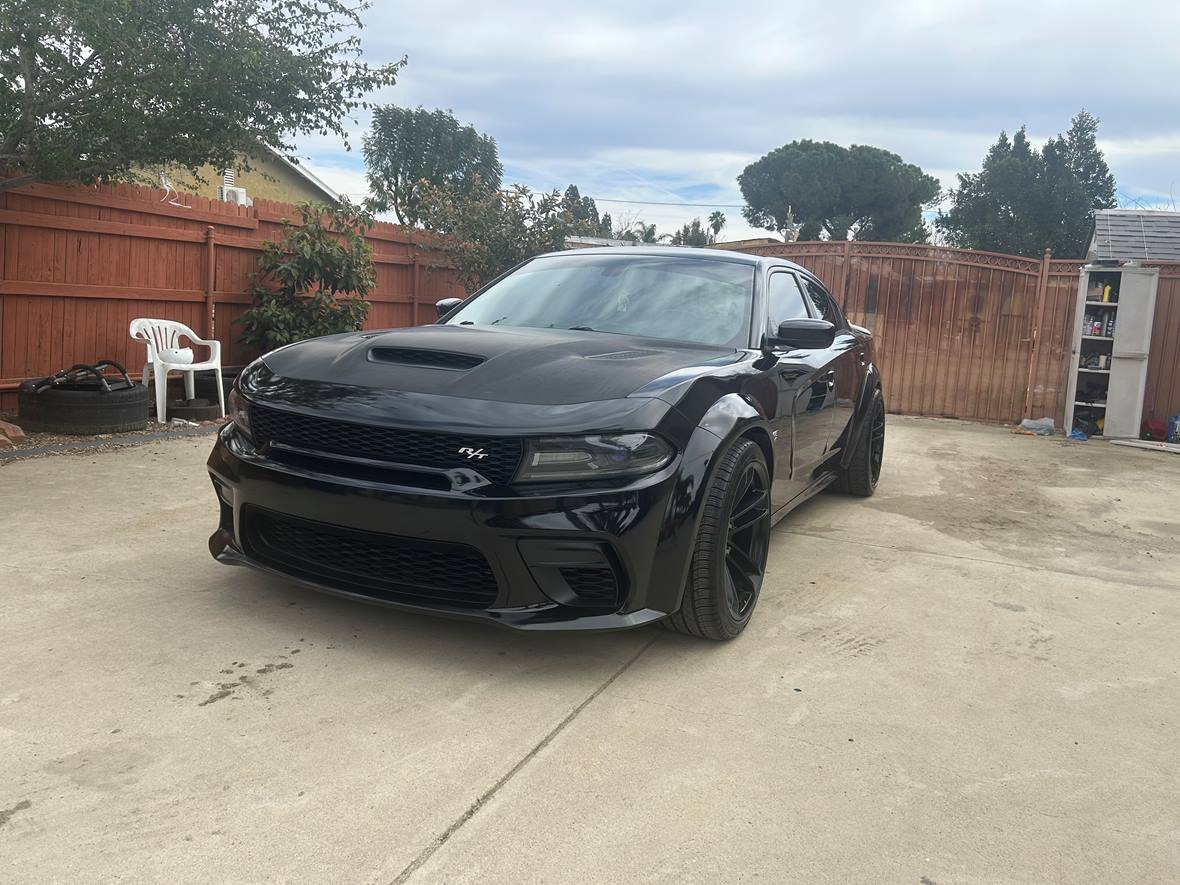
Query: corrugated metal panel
{"type": "Point", "coordinates": [952, 326]}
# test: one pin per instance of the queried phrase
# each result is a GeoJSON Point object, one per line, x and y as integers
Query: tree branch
{"type": "Point", "coordinates": [7, 184]}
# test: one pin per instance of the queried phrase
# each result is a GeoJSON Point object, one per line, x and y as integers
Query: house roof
{"type": "Point", "coordinates": [1135, 235]}
{"type": "Point", "coordinates": [306, 174]}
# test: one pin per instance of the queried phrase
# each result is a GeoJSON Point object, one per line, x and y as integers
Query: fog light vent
{"type": "Point", "coordinates": [592, 585]}
{"type": "Point", "coordinates": [575, 571]}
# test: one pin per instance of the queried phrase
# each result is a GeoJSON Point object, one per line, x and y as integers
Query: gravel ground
{"type": "Point", "coordinates": [43, 445]}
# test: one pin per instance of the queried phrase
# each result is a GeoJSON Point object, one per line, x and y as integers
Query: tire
{"type": "Point", "coordinates": [729, 557]}
{"type": "Point", "coordinates": [82, 411]}
{"type": "Point", "coordinates": [863, 472]}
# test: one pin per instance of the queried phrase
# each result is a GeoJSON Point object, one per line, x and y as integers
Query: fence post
{"type": "Point", "coordinates": [210, 273]}
{"type": "Point", "coordinates": [414, 291]}
{"type": "Point", "coordinates": [844, 272]}
{"type": "Point", "coordinates": [1035, 349]}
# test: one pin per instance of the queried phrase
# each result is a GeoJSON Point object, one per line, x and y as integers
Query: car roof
{"type": "Point", "coordinates": [761, 261]}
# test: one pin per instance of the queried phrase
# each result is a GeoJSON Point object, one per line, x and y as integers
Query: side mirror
{"type": "Point", "coordinates": [446, 306]}
{"type": "Point", "coordinates": [805, 333]}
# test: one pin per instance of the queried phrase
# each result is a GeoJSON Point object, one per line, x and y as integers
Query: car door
{"type": "Point", "coordinates": [844, 361]}
{"type": "Point", "coordinates": [805, 393]}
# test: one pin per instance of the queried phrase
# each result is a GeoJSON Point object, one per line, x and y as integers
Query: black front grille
{"type": "Point", "coordinates": [381, 566]}
{"type": "Point", "coordinates": [429, 359]}
{"type": "Point", "coordinates": [592, 584]}
{"type": "Point", "coordinates": [495, 458]}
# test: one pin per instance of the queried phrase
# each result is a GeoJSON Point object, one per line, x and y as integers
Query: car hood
{"type": "Point", "coordinates": [526, 366]}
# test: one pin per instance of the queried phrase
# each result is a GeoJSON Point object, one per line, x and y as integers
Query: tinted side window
{"type": "Point", "coordinates": [786, 301]}
{"type": "Point", "coordinates": [824, 305]}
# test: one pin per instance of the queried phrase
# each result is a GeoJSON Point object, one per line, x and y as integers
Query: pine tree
{"type": "Point", "coordinates": [1023, 200]}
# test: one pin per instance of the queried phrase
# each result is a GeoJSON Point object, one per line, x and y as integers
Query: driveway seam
{"type": "Point", "coordinates": [982, 559]}
{"type": "Point", "coordinates": [439, 841]}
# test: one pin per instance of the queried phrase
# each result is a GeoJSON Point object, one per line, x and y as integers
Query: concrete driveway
{"type": "Point", "coordinates": [972, 677]}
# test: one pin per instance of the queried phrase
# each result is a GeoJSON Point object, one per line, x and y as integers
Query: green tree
{"type": "Point", "coordinates": [314, 280]}
{"type": "Point", "coordinates": [863, 192]}
{"type": "Point", "coordinates": [692, 234]}
{"type": "Point", "coordinates": [487, 231]}
{"type": "Point", "coordinates": [1025, 200]}
{"type": "Point", "coordinates": [584, 211]}
{"type": "Point", "coordinates": [406, 149]}
{"type": "Point", "coordinates": [100, 89]}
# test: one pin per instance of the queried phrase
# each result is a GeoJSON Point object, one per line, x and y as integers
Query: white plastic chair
{"type": "Point", "coordinates": [162, 335]}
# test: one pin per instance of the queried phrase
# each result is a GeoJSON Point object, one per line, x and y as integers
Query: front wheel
{"type": "Point", "coordinates": [729, 558]}
{"type": "Point", "coordinates": [863, 472]}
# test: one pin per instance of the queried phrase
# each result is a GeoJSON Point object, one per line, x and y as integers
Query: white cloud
{"type": "Point", "coordinates": [664, 101]}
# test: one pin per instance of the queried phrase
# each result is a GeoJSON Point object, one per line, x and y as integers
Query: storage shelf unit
{"type": "Point", "coordinates": [1111, 338]}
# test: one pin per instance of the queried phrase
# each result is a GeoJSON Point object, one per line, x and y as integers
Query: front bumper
{"type": "Point", "coordinates": [641, 529]}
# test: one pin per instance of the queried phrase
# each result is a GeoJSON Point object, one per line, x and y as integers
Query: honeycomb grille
{"type": "Point", "coordinates": [381, 566]}
{"type": "Point", "coordinates": [592, 584]}
{"type": "Point", "coordinates": [409, 447]}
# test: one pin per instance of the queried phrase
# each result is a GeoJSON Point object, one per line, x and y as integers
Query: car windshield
{"type": "Point", "coordinates": [676, 298]}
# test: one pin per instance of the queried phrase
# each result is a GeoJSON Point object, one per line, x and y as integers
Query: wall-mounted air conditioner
{"type": "Point", "coordinates": [236, 195]}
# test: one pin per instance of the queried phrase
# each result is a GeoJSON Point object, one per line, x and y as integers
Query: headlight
{"type": "Point", "coordinates": [239, 411]}
{"type": "Point", "coordinates": [593, 457]}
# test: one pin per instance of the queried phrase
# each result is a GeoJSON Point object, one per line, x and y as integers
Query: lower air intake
{"type": "Point", "coordinates": [385, 567]}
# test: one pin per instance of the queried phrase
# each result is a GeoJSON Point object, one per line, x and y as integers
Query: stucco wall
{"type": "Point", "coordinates": [269, 179]}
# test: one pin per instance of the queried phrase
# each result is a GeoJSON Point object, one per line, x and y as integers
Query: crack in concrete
{"type": "Point", "coordinates": [843, 539]}
{"type": "Point", "coordinates": [439, 841]}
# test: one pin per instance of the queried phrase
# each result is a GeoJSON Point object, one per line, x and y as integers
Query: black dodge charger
{"type": "Point", "coordinates": [598, 439]}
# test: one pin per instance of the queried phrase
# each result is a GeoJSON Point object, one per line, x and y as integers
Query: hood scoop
{"type": "Point", "coordinates": [425, 359]}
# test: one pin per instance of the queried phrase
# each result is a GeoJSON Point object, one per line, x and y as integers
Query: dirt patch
{"type": "Point", "coordinates": [7, 813]}
{"type": "Point", "coordinates": [221, 694]}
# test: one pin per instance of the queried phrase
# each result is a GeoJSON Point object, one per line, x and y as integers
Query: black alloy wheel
{"type": "Point", "coordinates": [863, 471]}
{"type": "Point", "coordinates": [729, 559]}
{"type": "Point", "coordinates": [747, 540]}
{"type": "Point", "coordinates": [877, 442]}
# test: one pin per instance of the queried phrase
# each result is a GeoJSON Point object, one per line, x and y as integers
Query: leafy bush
{"type": "Point", "coordinates": [487, 231]}
{"type": "Point", "coordinates": [314, 280]}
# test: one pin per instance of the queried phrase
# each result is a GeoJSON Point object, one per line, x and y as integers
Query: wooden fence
{"type": "Point", "coordinates": [959, 333]}
{"type": "Point", "coordinates": [78, 264]}
{"type": "Point", "coordinates": [977, 335]}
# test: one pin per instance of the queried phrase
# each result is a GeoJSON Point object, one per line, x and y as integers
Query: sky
{"type": "Point", "coordinates": [667, 102]}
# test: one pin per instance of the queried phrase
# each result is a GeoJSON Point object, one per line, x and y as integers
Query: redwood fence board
{"type": "Point", "coordinates": [78, 264]}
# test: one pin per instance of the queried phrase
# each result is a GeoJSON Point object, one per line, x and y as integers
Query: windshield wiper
{"type": "Point", "coordinates": [581, 329]}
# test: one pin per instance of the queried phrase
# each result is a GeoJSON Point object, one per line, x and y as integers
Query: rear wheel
{"type": "Point", "coordinates": [729, 559]}
{"type": "Point", "coordinates": [863, 472]}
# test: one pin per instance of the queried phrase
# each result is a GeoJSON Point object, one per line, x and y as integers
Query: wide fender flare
{"type": "Point", "coordinates": [727, 419]}
{"type": "Point", "coordinates": [860, 424]}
